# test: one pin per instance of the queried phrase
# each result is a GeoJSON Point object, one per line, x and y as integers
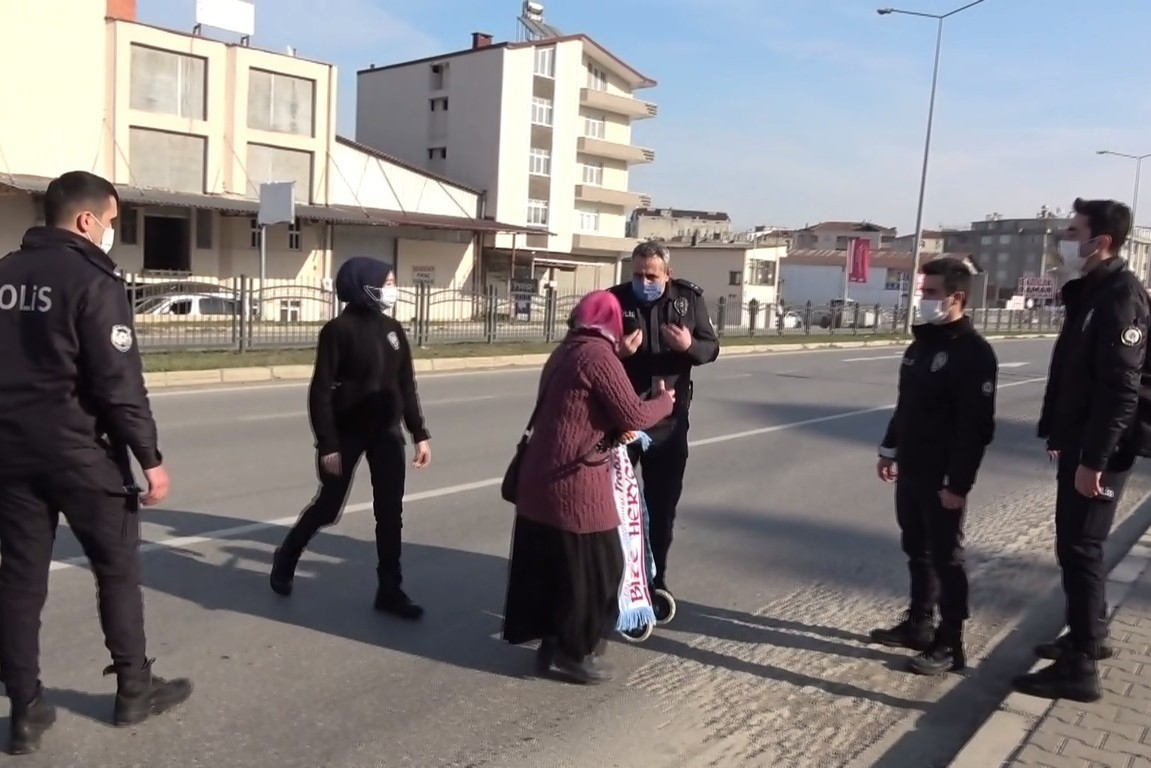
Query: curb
{"type": "Point", "coordinates": [261, 374]}
{"type": "Point", "coordinates": [1007, 730]}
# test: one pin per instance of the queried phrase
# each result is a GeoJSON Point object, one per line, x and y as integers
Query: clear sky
{"type": "Point", "coordinates": [789, 112]}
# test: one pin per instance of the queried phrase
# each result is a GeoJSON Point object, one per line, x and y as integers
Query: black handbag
{"type": "Point", "coordinates": [510, 486]}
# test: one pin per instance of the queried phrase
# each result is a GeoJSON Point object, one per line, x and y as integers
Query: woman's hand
{"type": "Point", "coordinates": [628, 437]}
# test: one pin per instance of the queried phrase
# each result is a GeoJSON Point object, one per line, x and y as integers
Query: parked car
{"type": "Point", "coordinates": [216, 306]}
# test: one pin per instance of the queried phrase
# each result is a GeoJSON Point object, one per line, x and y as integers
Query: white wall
{"type": "Point", "coordinates": [359, 179]}
{"type": "Point", "coordinates": [820, 284]}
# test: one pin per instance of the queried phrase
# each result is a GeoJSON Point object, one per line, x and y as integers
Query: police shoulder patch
{"type": "Point", "coordinates": [988, 388]}
{"type": "Point", "coordinates": [1132, 336]}
{"type": "Point", "coordinates": [688, 285]}
{"type": "Point", "coordinates": [121, 338]}
{"type": "Point", "coordinates": [394, 340]}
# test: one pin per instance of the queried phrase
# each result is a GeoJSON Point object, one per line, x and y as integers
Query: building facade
{"type": "Point", "coordinates": [820, 276]}
{"type": "Point", "coordinates": [189, 128]}
{"type": "Point", "coordinates": [837, 236]}
{"type": "Point", "coordinates": [544, 125]}
{"type": "Point", "coordinates": [678, 225]}
{"type": "Point", "coordinates": [930, 245]}
{"type": "Point", "coordinates": [738, 273]}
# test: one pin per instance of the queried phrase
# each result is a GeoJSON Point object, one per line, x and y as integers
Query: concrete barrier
{"type": "Point", "coordinates": [254, 375]}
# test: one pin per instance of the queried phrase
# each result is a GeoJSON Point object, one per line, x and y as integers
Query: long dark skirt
{"type": "Point", "coordinates": [562, 585]}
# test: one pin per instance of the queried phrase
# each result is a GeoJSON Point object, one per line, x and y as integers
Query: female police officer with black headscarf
{"type": "Point", "coordinates": [362, 387]}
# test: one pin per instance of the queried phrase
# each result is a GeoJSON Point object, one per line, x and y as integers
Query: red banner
{"type": "Point", "coordinates": [859, 260]}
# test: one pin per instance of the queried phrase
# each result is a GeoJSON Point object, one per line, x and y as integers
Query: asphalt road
{"type": "Point", "coordinates": [786, 554]}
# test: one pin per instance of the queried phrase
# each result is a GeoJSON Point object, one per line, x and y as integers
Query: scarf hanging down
{"type": "Point", "coordinates": [635, 609]}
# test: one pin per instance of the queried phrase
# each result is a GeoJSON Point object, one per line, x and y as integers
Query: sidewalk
{"type": "Point", "coordinates": [1114, 732]}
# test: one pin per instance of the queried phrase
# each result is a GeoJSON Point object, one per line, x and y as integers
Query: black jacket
{"type": "Point", "coordinates": [945, 416]}
{"type": "Point", "coordinates": [682, 303]}
{"type": "Point", "coordinates": [71, 382]}
{"type": "Point", "coordinates": [1093, 386]}
{"type": "Point", "coordinates": [364, 382]}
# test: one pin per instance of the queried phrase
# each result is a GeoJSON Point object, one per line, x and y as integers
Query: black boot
{"type": "Point", "coordinates": [283, 571]}
{"type": "Point", "coordinates": [141, 694]}
{"type": "Point", "coordinates": [1062, 644]}
{"type": "Point", "coordinates": [1074, 676]}
{"type": "Point", "coordinates": [391, 598]}
{"type": "Point", "coordinates": [591, 670]}
{"type": "Point", "coordinates": [913, 633]}
{"type": "Point", "coordinates": [28, 723]}
{"type": "Point", "coordinates": [945, 654]}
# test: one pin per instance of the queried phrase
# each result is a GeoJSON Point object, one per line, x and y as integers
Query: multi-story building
{"type": "Point", "coordinates": [1010, 249]}
{"type": "Point", "coordinates": [837, 236]}
{"type": "Point", "coordinates": [188, 128]}
{"type": "Point", "coordinates": [930, 245]}
{"type": "Point", "coordinates": [544, 125]}
{"type": "Point", "coordinates": [677, 225]}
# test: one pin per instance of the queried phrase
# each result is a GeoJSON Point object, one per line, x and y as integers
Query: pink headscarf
{"type": "Point", "coordinates": [599, 311]}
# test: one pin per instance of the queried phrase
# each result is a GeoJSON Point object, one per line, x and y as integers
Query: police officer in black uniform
{"type": "Point", "coordinates": [1090, 422]}
{"type": "Point", "coordinates": [74, 401]}
{"type": "Point", "coordinates": [363, 387]}
{"type": "Point", "coordinates": [943, 422]}
{"type": "Point", "coordinates": [676, 336]}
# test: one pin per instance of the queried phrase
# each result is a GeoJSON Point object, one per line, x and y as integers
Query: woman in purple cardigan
{"type": "Point", "coordinates": [567, 560]}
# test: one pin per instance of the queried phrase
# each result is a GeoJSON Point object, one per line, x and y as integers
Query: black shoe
{"type": "Point", "coordinates": [590, 671]}
{"type": "Point", "coordinates": [1062, 644]}
{"type": "Point", "coordinates": [545, 656]}
{"type": "Point", "coordinates": [28, 724]}
{"type": "Point", "coordinates": [283, 573]}
{"type": "Point", "coordinates": [663, 608]}
{"type": "Point", "coordinates": [397, 603]}
{"type": "Point", "coordinates": [141, 694]}
{"type": "Point", "coordinates": [945, 655]}
{"type": "Point", "coordinates": [911, 633]}
{"type": "Point", "coordinates": [1074, 676]}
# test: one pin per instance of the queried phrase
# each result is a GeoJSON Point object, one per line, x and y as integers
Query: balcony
{"type": "Point", "coordinates": [589, 193]}
{"type": "Point", "coordinates": [627, 153]}
{"type": "Point", "coordinates": [616, 104]}
{"type": "Point", "coordinates": [603, 243]}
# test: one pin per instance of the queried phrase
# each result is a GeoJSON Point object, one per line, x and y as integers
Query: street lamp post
{"type": "Point", "coordinates": [915, 249]}
{"type": "Point", "coordinates": [1134, 199]}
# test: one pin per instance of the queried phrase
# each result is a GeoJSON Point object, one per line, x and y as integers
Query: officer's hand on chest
{"type": "Point", "coordinates": [677, 337]}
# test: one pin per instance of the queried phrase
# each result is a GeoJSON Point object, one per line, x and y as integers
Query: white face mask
{"type": "Point", "coordinates": [389, 294]}
{"type": "Point", "coordinates": [930, 311]}
{"type": "Point", "coordinates": [1072, 255]}
{"type": "Point", "coordinates": [107, 239]}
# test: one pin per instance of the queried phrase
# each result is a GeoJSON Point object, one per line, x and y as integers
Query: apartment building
{"type": "Point", "coordinates": [930, 245]}
{"type": "Point", "coordinates": [543, 125]}
{"type": "Point", "coordinates": [837, 236]}
{"type": "Point", "coordinates": [188, 128]}
{"type": "Point", "coordinates": [679, 225]}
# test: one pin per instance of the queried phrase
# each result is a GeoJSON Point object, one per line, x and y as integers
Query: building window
{"type": "Point", "coordinates": [734, 277]}
{"type": "Point", "coordinates": [267, 164]}
{"type": "Point", "coordinates": [253, 232]}
{"type": "Point", "coordinates": [204, 222]}
{"type": "Point", "coordinates": [127, 227]}
{"type": "Point", "coordinates": [280, 103]}
{"type": "Point", "coordinates": [439, 77]}
{"type": "Point", "coordinates": [593, 174]}
{"type": "Point", "coordinates": [439, 104]}
{"type": "Point", "coordinates": [594, 127]}
{"type": "Point", "coordinates": [168, 83]}
{"type": "Point", "coordinates": [295, 238]}
{"type": "Point", "coordinates": [170, 161]}
{"type": "Point", "coordinates": [545, 65]}
{"type": "Point", "coordinates": [1005, 239]}
{"type": "Point", "coordinates": [437, 153]}
{"type": "Point", "coordinates": [540, 162]}
{"type": "Point", "coordinates": [762, 272]}
{"type": "Point", "coordinates": [589, 220]}
{"type": "Point", "coordinates": [596, 78]}
{"type": "Point", "coordinates": [541, 111]}
{"type": "Point", "coordinates": [537, 213]}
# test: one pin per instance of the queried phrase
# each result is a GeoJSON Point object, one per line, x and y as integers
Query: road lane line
{"type": "Point", "coordinates": [865, 359]}
{"type": "Point", "coordinates": [453, 490]}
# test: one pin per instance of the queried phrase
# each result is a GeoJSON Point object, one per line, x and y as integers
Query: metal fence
{"type": "Point", "coordinates": [239, 315]}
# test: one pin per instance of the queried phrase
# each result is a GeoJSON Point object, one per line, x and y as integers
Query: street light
{"type": "Point", "coordinates": [1134, 198]}
{"type": "Point", "coordinates": [940, 18]}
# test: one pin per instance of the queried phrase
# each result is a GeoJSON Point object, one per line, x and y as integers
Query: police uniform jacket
{"type": "Point", "coordinates": [71, 382]}
{"type": "Point", "coordinates": [682, 303]}
{"type": "Point", "coordinates": [1092, 399]}
{"type": "Point", "coordinates": [945, 415]}
{"type": "Point", "coordinates": [364, 382]}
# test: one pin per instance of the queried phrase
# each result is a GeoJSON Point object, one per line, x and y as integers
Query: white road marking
{"type": "Point", "coordinates": [452, 490]}
{"type": "Point", "coordinates": [865, 359]}
{"type": "Point", "coordinates": [1013, 365]}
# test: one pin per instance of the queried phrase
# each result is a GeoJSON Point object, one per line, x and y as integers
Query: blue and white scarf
{"type": "Point", "coordinates": [635, 609]}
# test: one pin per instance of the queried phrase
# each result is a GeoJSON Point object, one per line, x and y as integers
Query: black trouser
{"type": "Point", "coordinates": [662, 466]}
{"type": "Point", "coordinates": [1082, 525]}
{"type": "Point", "coordinates": [387, 463]}
{"type": "Point", "coordinates": [103, 519]}
{"type": "Point", "coordinates": [932, 539]}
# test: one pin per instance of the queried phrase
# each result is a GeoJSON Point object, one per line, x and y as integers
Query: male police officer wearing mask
{"type": "Point", "coordinates": [676, 336]}
{"type": "Point", "coordinates": [1089, 420]}
{"type": "Point", "coordinates": [73, 396]}
{"type": "Point", "coordinates": [943, 422]}
{"type": "Point", "coordinates": [362, 388]}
